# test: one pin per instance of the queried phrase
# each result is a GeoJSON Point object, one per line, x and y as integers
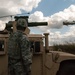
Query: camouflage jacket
{"type": "Point", "coordinates": [19, 48]}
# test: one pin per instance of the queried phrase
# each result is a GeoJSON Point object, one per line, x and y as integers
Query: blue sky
{"type": "Point", "coordinates": [52, 11]}
{"type": "Point", "coordinates": [49, 7]}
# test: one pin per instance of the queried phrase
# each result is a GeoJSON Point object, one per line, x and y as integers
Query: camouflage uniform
{"type": "Point", "coordinates": [19, 55]}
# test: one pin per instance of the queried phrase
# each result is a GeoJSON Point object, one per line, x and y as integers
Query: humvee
{"type": "Point", "coordinates": [44, 61]}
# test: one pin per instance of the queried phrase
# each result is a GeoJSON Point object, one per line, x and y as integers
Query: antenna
{"type": "Point", "coordinates": [7, 16]}
{"type": "Point", "coordinates": [13, 15]}
{"type": "Point", "coordinates": [23, 13]}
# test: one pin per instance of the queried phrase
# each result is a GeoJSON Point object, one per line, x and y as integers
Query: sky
{"type": "Point", "coordinates": [54, 12]}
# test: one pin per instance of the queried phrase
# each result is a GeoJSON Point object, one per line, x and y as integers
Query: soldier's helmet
{"type": "Point", "coordinates": [22, 22]}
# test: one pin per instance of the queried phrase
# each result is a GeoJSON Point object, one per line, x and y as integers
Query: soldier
{"type": "Point", "coordinates": [19, 55]}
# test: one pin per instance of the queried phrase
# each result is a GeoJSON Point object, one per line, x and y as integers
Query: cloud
{"type": "Point", "coordinates": [15, 6]}
{"type": "Point", "coordinates": [2, 25]}
{"type": "Point", "coordinates": [29, 4]}
{"type": "Point", "coordinates": [37, 17]}
{"type": "Point", "coordinates": [11, 7]}
{"type": "Point", "coordinates": [59, 38]}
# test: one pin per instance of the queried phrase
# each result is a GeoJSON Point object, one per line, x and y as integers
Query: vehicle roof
{"type": "Point", "coordinates": [35, 35]}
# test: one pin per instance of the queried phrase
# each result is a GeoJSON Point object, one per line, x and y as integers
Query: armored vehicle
{"type": "Point", "coordinates": [44, 61]}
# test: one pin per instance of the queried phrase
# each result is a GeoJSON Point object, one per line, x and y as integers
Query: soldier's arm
{"type": "Point", "coordinates": [25, 50]}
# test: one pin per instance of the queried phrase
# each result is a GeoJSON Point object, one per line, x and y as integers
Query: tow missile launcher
{"type": "Point", "coordinates": [9, 25]}
{"type": "Point", "coordinates": [68, 23]}
{"type": "Point", "coordinates": [44, 61]}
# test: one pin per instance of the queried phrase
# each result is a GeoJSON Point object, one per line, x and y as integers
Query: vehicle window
{"type": "Point", "coordinates": [37, 46]}
{"type": "Point", "coordinates": [1, 45]}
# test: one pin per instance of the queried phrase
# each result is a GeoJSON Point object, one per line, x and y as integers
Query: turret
{"type": "Point", "coordinates": [9, 25]}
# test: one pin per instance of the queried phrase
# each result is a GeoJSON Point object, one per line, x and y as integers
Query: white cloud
{"type": "Point", "coordinates": [38, 16]}
{"type": "Point", "coordinates": [59, 38]}
{"type": "Point", "coordinates": [2, 25]}
{"type": "Point", "coordinates": [15, 5]}
{"type": "Point", "coordinates": [11, 7]}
